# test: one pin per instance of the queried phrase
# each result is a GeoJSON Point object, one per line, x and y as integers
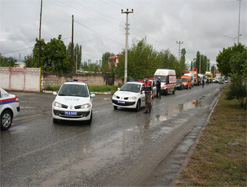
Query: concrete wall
{"type": "Point", "coordinates": [53, 79]}
{"type": "Point", "coordinates": [19, 79]}
{"type": "Point", "coordinates": [27, 79]}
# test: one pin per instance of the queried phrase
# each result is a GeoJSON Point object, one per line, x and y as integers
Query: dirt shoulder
{"type": "Point", "coordinates": [219, 156]}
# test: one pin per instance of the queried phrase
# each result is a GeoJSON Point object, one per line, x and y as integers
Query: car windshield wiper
{"type": "Point", "coordinates": [61, 94]}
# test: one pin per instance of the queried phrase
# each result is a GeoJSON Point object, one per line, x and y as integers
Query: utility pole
{"type": "Point", "coordinates": [72, 44]}
{"type": "Point", "coordinates": [126, 43]}
{"type": "Point", "coordinates": [200, 65]}
{"type": "Point", "coordinates": [239, 19]}
{"type": "Point", "coordinates": [179, 50]}
{"type": "Point", "coordinates": [40, 33]}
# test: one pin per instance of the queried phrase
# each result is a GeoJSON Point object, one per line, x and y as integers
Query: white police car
{"type": "Point", "coordinates": [9, 108]}
{"type": "Point", "coordinates": [128, 96]}
{"type": "Point", "coordinates": [73, 102]}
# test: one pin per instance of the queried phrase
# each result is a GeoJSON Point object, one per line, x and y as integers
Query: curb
{"type": "Point", "coordinates": [193, 147]}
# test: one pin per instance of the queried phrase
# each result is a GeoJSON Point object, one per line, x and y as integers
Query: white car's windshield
{"type": "Point", "coordinates": [74, 90]}
{"type": "Point", "coordinates": [131, 87]}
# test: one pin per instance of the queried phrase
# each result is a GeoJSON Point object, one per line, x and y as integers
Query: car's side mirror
{"type": "Point", "coordinates": [54, 93]}
{"type": "Point", "coordinates": [92, 95]}
{"type": "Point", "coordinates": [118, 89]}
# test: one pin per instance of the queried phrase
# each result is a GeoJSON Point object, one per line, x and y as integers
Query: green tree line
{"type": "Point", "coordinates": [233, 62]}
{"type": "Point", "coordinates": [144, 60]}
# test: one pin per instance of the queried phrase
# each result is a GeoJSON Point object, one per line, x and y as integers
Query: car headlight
{"type": "Point", "coordinates": [58, 104]}
{"type": "Point", "coordinates": [132, 98]}
{"type": "Point", "coordinates": [85, 106]}
{"type": "Point", "coordinates": [114, 96]}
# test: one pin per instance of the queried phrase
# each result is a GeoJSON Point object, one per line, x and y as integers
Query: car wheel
{"type": "Point", "coordinates": [90, 120]}
{"type": "Point", "coordinates": [55, 120]}
{"type": "Point", "coordinates": [138, 105]}
{"type": "Point", "coordinates": [115, 107]}
{"type": "Point", "coordinates": [173, 92]}
{"type": "Point", "coordinates": [6, 120]}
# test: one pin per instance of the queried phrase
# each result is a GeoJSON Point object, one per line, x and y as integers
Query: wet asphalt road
{"type": "Point", "coordinates": [120, 148]}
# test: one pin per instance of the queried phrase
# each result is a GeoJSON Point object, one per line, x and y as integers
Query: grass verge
{"type": "Point", "coordinates": [220, 156]}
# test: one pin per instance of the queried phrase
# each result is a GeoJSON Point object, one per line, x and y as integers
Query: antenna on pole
{"type": "Point", "coordinates": [179, 50]}
{"type": "Point", "coordinates": [126, 43]}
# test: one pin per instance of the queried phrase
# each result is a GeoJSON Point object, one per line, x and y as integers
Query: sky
{"type": "Point", "coordinates": [207, 26]}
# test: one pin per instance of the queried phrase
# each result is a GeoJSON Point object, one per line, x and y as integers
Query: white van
{"type": "Point", "coordinates": [168, 80]}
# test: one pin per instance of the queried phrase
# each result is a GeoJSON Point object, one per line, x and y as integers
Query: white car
{"type": "Point", "coordinates": [9, 108]}
{"type": "Point", "coordinates": [128, 96]}
{"type": "Point", "coordinates": [73, 102]}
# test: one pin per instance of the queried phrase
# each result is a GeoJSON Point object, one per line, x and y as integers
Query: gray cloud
{"type": "Point", "coordinates": [99, 26]}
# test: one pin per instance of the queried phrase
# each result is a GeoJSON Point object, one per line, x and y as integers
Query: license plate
{"type": "Point", "coordinates": [70, 113]}
{"type": "Point", "coordinates": [121, 102]}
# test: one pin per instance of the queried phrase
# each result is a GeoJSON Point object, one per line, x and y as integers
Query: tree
{"type": "Point", "coordinates": [28, 60]}
{"type": "Point", "coordinates": [36, 53]}
{"type": "Point", "coordinates": [53, 56]}
{"type": "Point", "coordinates": [77, 55]}
{"type": "Point", "coordinates": [144, 60]}
{"type": "Point", "coordinates": [223, 58]}
{"type": "Point", "coordinates": [236, 58]}
{"type": "Point", "coordinates": [213, 69]}
{"type": "Point", "coordinates": [7, 61]}
{"type": "Point", "coordinates": [105, 60]}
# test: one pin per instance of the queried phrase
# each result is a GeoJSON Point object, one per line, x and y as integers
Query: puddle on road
{"type": "Point", "coordinates": [173, 111]}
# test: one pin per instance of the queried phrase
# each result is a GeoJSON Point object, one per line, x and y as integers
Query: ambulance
{"type": "Point", "coordinates": [168, 80]}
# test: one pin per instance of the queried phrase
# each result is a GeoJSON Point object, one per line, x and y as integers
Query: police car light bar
{"type": "Point", "coordinates": [75, 80]}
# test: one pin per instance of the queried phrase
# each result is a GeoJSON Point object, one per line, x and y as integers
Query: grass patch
{"type": "Point", "coordinates": [105, 88]}
{"type": "Point", "coordinates": [220, 157]}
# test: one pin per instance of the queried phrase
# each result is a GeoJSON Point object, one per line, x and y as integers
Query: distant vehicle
{"type": "Point", "coordinates": [226, 81]}
{"type": "Point", "coordinates": [128, 96]}
{"type": "Point", "coordinates": [180, 85]}
{"type": "Point", "coordinates": [221, 81]}
{"type": "Point", "coordinates": [209, 76]}
{"type": "Point", "coordinates": [73, 102]}
{"type": "Point", "coordinates": [9, 108]}
{"type": "Point", "coordinates": [191, 78]}
{"type": "Point", "coordinates": [186, 81]}
{"type": "Point", "coordinates": [197, 78]}
{"type": "Point", "coordinates": [168, 80]}
{"type": "Point", "coordinates": [213, 80]}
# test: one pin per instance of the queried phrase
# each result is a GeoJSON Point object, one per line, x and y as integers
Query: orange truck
{"type": "Point", "coordinates": [186, 81]}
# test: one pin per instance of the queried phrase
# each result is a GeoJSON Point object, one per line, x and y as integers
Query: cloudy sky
{"type": "Point", "coordinates": [202, 25]}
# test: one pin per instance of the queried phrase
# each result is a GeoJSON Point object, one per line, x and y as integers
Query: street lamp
{"type": "Point", "coordinates": [233, 37]}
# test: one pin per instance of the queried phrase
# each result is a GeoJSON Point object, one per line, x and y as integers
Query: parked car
{"type": "Point", "coordinates": [128, 96]}
{"type": "Point", "coordinates": [180, 85]}
{"type": "Point", "coordinates": [9, 109]}
{"type": "Point", "coordinates": [73, 102]}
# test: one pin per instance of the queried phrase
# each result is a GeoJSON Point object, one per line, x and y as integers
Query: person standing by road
{"type": "Point", "coordinates": [148, 91]}
{"type": "Point", "coordinates": [203, 83]}
{"type": "Point", "coordinates": [158, 85]}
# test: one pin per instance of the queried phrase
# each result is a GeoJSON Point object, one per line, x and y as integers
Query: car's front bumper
{"type": "Point", "coordinates": [125, 104]}
{"type": "Point", "coordinates": [82, 115]}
